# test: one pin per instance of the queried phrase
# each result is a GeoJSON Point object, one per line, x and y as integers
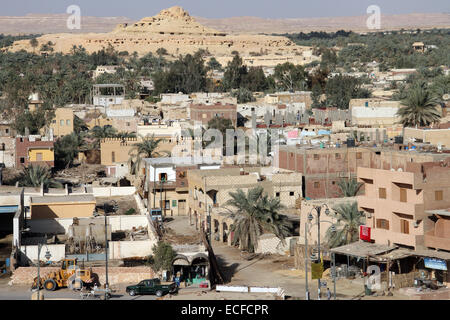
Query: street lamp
{"type": "Point", "coordinates": [47, 256]}
{"type": "Point", "coordinates": [333, 229]}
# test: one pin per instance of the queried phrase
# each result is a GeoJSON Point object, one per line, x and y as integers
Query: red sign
{"type": "Point", "coordinates": [364, 233]}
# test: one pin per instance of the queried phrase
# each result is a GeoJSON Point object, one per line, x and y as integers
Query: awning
{"type": "Point", "coordinates": [362, 249]}
{"type": "Point", "coordinates": [8, 209]}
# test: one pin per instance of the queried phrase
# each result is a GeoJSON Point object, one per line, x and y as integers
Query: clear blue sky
{"type": "Point", "coordinates": [225, 8]}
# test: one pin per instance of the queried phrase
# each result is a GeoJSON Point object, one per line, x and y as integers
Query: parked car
{"type": "Point", "coordinates": [152, 286]}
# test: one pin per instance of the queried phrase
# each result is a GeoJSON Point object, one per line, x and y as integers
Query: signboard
{"type": "Point", "coordinates": [435, 264]}
{"type": "Point", "coordinates": [316, 270]}
{"type": "Point", "coordinates": [364, 233]}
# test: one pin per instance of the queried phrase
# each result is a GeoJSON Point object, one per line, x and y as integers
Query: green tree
{"type": "Point", "coordinates": [162, 257]}
{"type": "Point", "coordinates": [254, 214]}
{"type": "Point", "coordinates": [290, 77]}
{"type": "Point", "coordinates": [349, 218]}
{"type": "Point", "coordinates": [349, 188]}
{"type": "Point", "coordinates": [67, 149]}
{"type": "Point", "coordinates": [34, 43]}
{"type": "Point", "coordinates": [341, 89]}
{"type": "Point", "coordinates": [419, 107]}
{"type": "Point", "coordinates": [213, 64]}
{"type": "Point", "coordinates": [34, 176]}
{"type": "Point", "coordinates": [243, 95]}
{"type": "Point", "coordinates": [234, 74]}
{"type": "Point", "coordinates": [316, 95]}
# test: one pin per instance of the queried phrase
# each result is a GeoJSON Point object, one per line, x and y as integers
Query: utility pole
{"type": "Point", "coordinates": [106, 254]}
{"type": "Point", "coordinates": [306, 260]}
{"type": "Point", "coordinates": [39, 270]}
{"type": "Point", "coordinates": [318, 249]}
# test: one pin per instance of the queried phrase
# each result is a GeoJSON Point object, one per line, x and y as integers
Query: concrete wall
{"type": "Point", "coordinates": [61, 226]}
{"type": "Point", "coordinates": [58, 252]}
{"type": "Point", "coordinates": [128, 249]}
{"type": "Point", "coordinates": [113, 191]}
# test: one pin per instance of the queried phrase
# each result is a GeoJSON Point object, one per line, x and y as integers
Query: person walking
{"type": "Point", "coordinates": [328, 294]}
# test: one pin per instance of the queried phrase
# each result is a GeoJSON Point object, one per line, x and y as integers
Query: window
{"type": "Point", "coordinates": [382, 193]}
{"type": "Point", "coordinates": [113, 156]}
{"type": "Point", "coordinates": [277, 194]}
{"type": "Point", "coordinates": [128, 124]}
{"type": "Point", "coordinates": [204, 116]}
{"type": "Point", "coordinates": [337, 156]}
{"type": "Point", "coordinates": [163, 176]}
{"type": "Point", "coordinates": [333, 182]}
{"type": "Point", "coordinates": [61, 122]}
{"type": "Point", "coordinates": [358, 155]}
{"type": "Point", "coordinates": [403, 197]}
{"type": "Point", "coordinates": [22, 160]}
{"type": "Point", "coordinates": [291, 193]}
{"type": "Point", "coordinates": [383, 224]}
{"type": "Point", "coordinates": [54, 121]}
{"type": "Point", "coordinates": [404, 226]}
{"type": "Point", "coordinates": [292, 155]}
{"type": "Point", "coordinates": [68, 122]}
{"type": "Point", "coordinates": [438, 195]}
{"type": "Point", "coordinates": [316, 185]}
{"type": "Point", "coordinates": [316, 157]}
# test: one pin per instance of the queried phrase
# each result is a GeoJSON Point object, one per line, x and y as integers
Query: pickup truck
{"type": "Point", "coordinates": [152, 286]}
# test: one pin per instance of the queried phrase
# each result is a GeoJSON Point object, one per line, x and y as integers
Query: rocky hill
{"type": "Point", "coordinates": [176, 31]}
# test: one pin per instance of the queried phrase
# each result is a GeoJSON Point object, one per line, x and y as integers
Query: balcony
{"type": "Point", "coordinates": [432, 241]}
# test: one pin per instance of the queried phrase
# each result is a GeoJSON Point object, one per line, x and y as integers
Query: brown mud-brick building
{"type": "Point", "coordinates": [34, 151]}
{"type": "Point", "coordinates": [322, 168]}
{"type": "Point", "coordinates": [205, 112]}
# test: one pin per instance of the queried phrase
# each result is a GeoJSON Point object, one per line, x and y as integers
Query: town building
{"type": "Point", "coordinates": [282, 184]}
{"type": "Point", "coordinates": [108, 94]}
{"type": "Point", "coordinates": [374, 112]}
{"type": "Point", "coordinates": [67, 206]}
{"type": "Point", "coordinates": [403, 207]}
{"type": "Point", "coordinates": [62, 124]}
{"type": "Point", "coordinates": [290, 97]}
{"type": "Point", "coordinates": [8, 151]}
{"type": "Point", "coordinates": [203, 113]}
{"type": "Point", "coordinates": [166, 183]}
{"type": "Point", "coordinates": [34, 150]}
{"type": "Point", "coordinates": [104, 69]}
{"type": "Point", "coordinates": [439, 136]}
{"type": "Point", "coordinates": [322, 168]}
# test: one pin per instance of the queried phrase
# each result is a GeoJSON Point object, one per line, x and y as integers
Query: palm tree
{"type": "Point", "coordinates": [144, 149]}
{"type": "Point", "coordinates": [420, 107]}
{"type": "Point", "coordinates": [99, 133]}
{"type": "Point", "coordinates": [349, 187]}
{"type": "Point", "coordinates": [346, 229]}
{"type": "Point", "coordinates": [68, 147]}
{"type": "Point", "coordinates": [125, 135]}
{"type": "Point", "coordinates": [255, 214]}
{"type": "Point", "coordinates": [34, 176]}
